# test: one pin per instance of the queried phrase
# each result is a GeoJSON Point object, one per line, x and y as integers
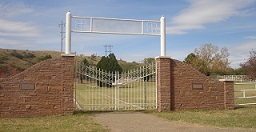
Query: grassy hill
{"type": "Point", "coordinates": [15, 61]}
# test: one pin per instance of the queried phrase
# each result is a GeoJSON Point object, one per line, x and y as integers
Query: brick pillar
{"type": "Point", "coordinates": [228, 94]}
{"type": "Point", "coordinates": [68, 83]}
{"type": "Point", "coordinates": [163, 83]}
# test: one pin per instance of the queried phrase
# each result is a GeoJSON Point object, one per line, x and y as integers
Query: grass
{"type": "Point", "coordinates": [79, 122]}
{"type": "Point", "coordinates": [241, 117]}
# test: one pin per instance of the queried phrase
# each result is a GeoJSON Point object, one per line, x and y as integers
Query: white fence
{"type": "Point", "coordinates": [237, 78]}
{"type": "Point", "coordinates": [245, 96]}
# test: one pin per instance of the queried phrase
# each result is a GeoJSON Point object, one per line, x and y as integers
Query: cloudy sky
{"type": "Point", "coordinates": [34, 25]}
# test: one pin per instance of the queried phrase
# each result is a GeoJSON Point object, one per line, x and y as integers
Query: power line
{"type": "Point", "coordinates": [62, 37]}
{"type": "Point", "coordinates": [108, 49]}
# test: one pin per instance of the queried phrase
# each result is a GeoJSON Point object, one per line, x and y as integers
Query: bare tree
{"type": "Point", "coordinates": [250, 65]}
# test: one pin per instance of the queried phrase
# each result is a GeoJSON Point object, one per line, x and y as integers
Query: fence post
{"type": "Point", "coordinates": [68, 33]}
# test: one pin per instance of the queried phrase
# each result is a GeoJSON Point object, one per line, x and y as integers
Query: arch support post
{"type": "Point", "coordinates": [163, 36]}
{"type": "Point", "coordinates": [68, 33]}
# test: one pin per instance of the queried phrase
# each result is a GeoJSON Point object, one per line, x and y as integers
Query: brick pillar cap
{"type": "Point", "coordinates": [159, 57]}
{"type": "Point", "coordinates": [226, 80]}
{"type": "Point", "coordinates": [68, 55]}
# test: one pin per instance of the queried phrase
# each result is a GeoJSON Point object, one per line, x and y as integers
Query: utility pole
{"type": "Point", "coordinates": [108, 49]}
{"type": "Point", "coordinates": [62, 37]}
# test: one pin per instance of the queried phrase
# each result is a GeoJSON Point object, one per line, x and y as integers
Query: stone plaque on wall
{"type": "Point", "coordinates": [27, 86]}
{"type": "Point", "coordinates": [197, 85]}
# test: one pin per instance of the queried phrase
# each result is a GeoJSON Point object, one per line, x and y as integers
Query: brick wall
{"type": "Point", "coordinates": [190, 90]}
{"type": "Point", "coordinates": [44, 89]}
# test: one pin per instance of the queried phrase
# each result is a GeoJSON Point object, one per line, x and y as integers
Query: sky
{"type": "Point", "coordinates": [34, 25]}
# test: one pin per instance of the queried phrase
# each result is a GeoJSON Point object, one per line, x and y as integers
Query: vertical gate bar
{"type": "Point", "coordinates": [126, 81]}
{"type": "Point", "coordinates": [75, 83]}
{"type": "Point", "coordinates": [118, 92]}
{"type": "Point", "coordinates": [145, 86]}
{"type": "Point", "coordinates": [106, 101]}
{"type": "Point", "coordinates": [138, 101]}
{"type": "Point", "coordinates": [150, 86]}
{"type": "Point", "coordinates": [92, 82]}
{"type": "Point", "coordinates": [79, 81]}
{"type": "Point", "coordinates": [142, 87]}
{"type": "Point", "coordinates": [94, 91]}
{"type": "Point", "coordinates": [134, 90]}
{"type": "Point", "coordinates": [85, 85]}
{"type": "Point", "coordinates": [115, 93]}
{"type": "Point", "coordinates": [153, 84]}
{"type": "Point", "coordinates": [156, 84]}
{"type": "Point", "coordinates": [82, 80]}
{"type": "Point", "coordinates": [123, 76]}
{"type": "Point", "coordinates": [88, 83]}
{"type": "Point", "coordinates": [150, 90]}
{"type": "Point", "coordinates": [140, 71]}
{"type": "Point", "coordinates": [128, 88]}
{"type": "Point", "coordinates": [112, 91]}
{"type": "Point", "coordinates": [99, 92]}
{"type": "Point", "coordinates": [134, 76]}
{"type": "Point", "coordinates": [101, 89]}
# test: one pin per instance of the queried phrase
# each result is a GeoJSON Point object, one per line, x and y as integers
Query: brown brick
{"type": "Point", "coordinates": [175, 92]}
{"type": "Point", "coordinates": [48, 97]}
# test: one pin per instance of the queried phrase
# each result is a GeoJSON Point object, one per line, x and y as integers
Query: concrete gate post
{"type": "Point", "coordinates": [163, 72]}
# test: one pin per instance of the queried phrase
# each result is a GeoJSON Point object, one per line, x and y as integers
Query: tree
{"type": "Point", "coordinates": [208, 59]}
{"type": "Point", "coordinates": [93, 57]}
{"type": "Point", "coordinates": [108, 64]}
{"type": "Point", "coordinates": [250, 65]}
{"type": "Point", "coordinates": [83, 69]}
{"type": "Point", "coordinates": [191, 59]}
{"type": "Point", "coordinates": [149, 60]}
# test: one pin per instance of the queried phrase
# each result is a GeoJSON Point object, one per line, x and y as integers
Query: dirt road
{"type": "Point", "coordinates": [141, 122]}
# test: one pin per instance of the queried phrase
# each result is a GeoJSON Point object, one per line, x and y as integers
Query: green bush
{"type": "Point", "coordinates": [29, 55]}
{"type": "Point", "coordinates": [17, 55]}
{"type": "Point", "coordinates": [44, 57]}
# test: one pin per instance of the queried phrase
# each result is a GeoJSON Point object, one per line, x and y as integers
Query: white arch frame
{"type": "Point", "coordinates": [162, 29]}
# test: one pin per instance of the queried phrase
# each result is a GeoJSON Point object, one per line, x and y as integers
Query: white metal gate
{"type": "Point", "coordinates": [98, 90]}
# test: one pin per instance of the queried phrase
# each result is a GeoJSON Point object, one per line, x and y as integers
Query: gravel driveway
{"type": "Point", "coordinates": [141, 122]}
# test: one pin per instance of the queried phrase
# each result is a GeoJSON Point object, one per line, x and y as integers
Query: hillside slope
{"type": "Point", "coordinates": [16, 61]}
